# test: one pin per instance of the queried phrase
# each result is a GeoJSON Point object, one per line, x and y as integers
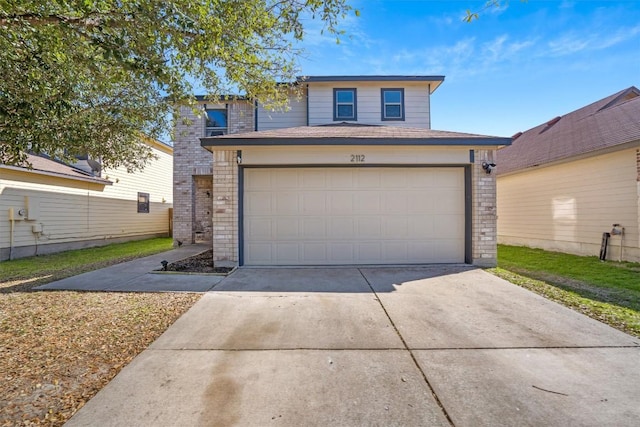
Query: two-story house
{"type": "Point", "coordinates": [351, 174]}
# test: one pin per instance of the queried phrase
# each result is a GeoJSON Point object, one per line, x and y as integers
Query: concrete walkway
{"type": "Point", "coordinates": [137, 276]}
{"type": "Point", "coordinates": [436, 346]}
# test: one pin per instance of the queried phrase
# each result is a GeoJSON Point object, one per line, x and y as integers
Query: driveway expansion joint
{"type": "Point", "coordinates": [574, 347]}
{"type": "Point", "coordinates": [410, 351]}
{"type": "Point", "coordinates": [281, 349]}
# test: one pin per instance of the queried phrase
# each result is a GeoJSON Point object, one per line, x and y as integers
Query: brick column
{"type": "Point", "coordinates": [484, 214]}
{"type": "Point", "coordinates": [225, 208]}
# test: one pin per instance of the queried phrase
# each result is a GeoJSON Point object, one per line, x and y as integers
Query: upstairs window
{"type": "Point", "coordinates": [392, 104]}
{"type": "Point", "coordinates": [143, 202]}
{"type": "Point", "coordinates": [344, 104]}
{"type": "Point", "coordinates": [216, 121]}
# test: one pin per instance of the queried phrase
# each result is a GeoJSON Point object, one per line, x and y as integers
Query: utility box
{"type": "Point", "coordinates": [36, 228]}
{"type": "Point", "coordinates": [16, 214]}
{"type": "Point", "coordinates": [33, 207]}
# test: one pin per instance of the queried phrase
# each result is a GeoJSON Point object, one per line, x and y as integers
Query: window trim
{"type": "Point", "coordinates": [144, 207]}
{"type": "Point", "coordinates": [383, 104]}
{"type": "Point", "coordinates": [336, 118]}
{"type": "Point", "coordinates": [207, 129]}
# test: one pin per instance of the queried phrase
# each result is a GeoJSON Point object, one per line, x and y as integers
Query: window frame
{"type": "Point", "coordinates": [144, 207]}
{"type": "Point", "coordinates": [207, 129]}
{"type": "Point", "coordinates": [354, 117]}
{"type": "Point", "coordinates": [383, 109]}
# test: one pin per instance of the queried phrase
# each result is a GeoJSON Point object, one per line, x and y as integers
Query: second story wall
{"type": "Point", "coordinates": [295, 115]}
{"type": "Point", "coordinates": [415, 104]}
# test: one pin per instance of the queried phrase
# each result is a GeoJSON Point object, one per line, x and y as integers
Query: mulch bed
{"type": "Point", "coordinates": [58, 349]}
{"type": "Point", "coordinates": [201, 263]}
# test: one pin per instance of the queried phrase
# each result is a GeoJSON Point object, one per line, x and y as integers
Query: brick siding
{"type": "Point", "coordinates": [193, 172]}
{"type": "Point", "coordinates": [225, 208]}
{"type": "Point", "coordinates": [484, 215]}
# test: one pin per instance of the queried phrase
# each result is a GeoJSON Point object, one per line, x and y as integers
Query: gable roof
{"type": "Point", "coordinates": [351, 134]}
{"type": "Point", "coordinates": [607, 123]}
{"type": "Point", "coordinates": [46, 166]}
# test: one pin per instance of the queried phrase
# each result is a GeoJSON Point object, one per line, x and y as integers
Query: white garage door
{"type": "Point", "coordinates": [337, 216]}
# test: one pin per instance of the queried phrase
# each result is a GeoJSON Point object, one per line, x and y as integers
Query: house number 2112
{"type": "Point", "coordinates": [357, 158]}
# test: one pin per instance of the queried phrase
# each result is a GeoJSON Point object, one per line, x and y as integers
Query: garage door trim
{"type": "Point", "coordinates": [467, 196]}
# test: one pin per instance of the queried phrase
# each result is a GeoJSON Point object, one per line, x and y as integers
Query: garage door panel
{"type": "Point", "coordinates": [395, 202]}
{"type": "Point", "coordinates": [313, 179]}
{"type": "Point", "coordinates": [373, 215]}
{"type": "Point", "coordinates": [315, 252]}
{"type": "Point", "coordinates": [342, 178]}
{"type": "Point", "coordinates": [284, 179]}
{"type": "Point", "coordinates": [340, 203]}
{"type": "Point", "coordinates": [259, 254]}
{"type": "Point", "coordinates": [368, 178]}
{"type": "Point", "coordinates": [259, 179]}
{"type": "Point", "coordinates": [397, 179]}
{"type": "Point", "coordinates": [286, 203]}
{"type": "Point", "coordinates": [369, 227]}
{"type": "Point", "coordinates": [287, 253]}
{"type": "Point", "coordinates": [396, 252]}
{"type": "Point", "coordinates": [448, 178]}
{"type": "Point", "coordinates": [259, 228]}
{"type": "Point", "coordinates": [287, 228]}
{"type": "Point", "coordinates": [423, 205]}
{"type": "Point", "coordinates": [449, 202]}
{"type": "Point", "coordinates": [341, 228]}
{"type": "Point", "coordinates": [421, 178]}
{"type": "Point", "coordinates": [446, 226]}
{"type": "Point", "coordinates": [366, 202]}
{"type": "Point", "coordinates": [446, 250]}
{"type": "Point", "coordinates": [396, 227]}
{"type": "Point", "coordinates": [368, 252]}
{"type": "Point", "coordinates": [313, 203]}
{"type": "Point", "coordinates": [313, 228]}
{"type": "Point", "coordinates": [340, 253]}
{"type": "Point", "coordinates": [260, 201]}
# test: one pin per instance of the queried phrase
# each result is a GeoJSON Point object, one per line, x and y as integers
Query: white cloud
{"type": "Point", "coordinates": [575, 42]}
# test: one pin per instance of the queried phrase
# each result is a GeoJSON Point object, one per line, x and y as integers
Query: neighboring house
{"type": "Point", "coordinates": [55, 206]}
{"type": "Point", "coordinates": [350, 174]}
{"type": "Point", "coordinates": [562, 184]}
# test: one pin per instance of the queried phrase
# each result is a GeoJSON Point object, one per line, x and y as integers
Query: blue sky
{"type": "Point", "coordinates": [510, 70]}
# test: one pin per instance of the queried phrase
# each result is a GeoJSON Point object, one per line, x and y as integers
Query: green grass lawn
{"type": "Point", "coordinates": [25, 273]}
{"type": "Point", "coordinates": [608, 291]}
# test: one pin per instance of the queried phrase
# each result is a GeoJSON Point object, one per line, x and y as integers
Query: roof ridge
{"type": "Point", "coordinates": [622, 94]}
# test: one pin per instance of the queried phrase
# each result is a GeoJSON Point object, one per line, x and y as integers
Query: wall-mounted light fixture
{"type": "Point", "coordinates": [488, 167]}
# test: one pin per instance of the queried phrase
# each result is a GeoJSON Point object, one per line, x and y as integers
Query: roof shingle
{"type": "Point", "coordinates": [609, 122]}
{"type": "Point", "coordinates": [352, 133]}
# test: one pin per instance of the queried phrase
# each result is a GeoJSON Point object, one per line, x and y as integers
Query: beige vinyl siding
{"type": "Point", "coordinates": [416, 103]}
{"type": "Point", "coordinates": [567, 207]}
{"type": "Point", "coordinates": [294, 116]}
{"type": "Point", "coordinates": [75, 211]}
{"type": "Point", "coordinates": [156, 179]}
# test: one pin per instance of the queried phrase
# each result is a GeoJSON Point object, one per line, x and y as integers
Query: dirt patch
{"type": "Point", "coordinates": [201, 263]}
{"type": "Point", "coordinates": [58, 349]}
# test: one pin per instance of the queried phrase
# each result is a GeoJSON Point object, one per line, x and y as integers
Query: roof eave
{"type": "Point", "coordinates": [213, 143]}
{"type": "Point", "coordinates": [99, 181]}
{"type": "Point", "coordinates": [434, 81]}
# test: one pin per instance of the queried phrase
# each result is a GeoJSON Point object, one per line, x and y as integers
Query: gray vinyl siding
{"type": "Point", "coordinates": [416, 103]}
{"type": "Point", "coordinates": [294, 116]}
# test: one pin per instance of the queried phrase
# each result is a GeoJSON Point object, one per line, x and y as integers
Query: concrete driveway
{"type": "Point", "coordinates": [433, 346]}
